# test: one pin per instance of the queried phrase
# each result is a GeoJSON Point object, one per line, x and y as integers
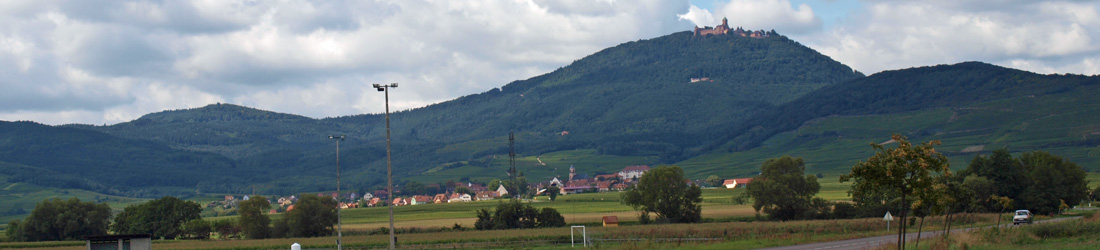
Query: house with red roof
{"type": "Point", "coordinates": [633, 172]}
{"type": "Point", "coordinates": [737, 183]}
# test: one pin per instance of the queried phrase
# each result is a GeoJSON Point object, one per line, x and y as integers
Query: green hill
{"type": "Point", "coordinates": [64, 157]}
{"type": "Point", "coordinates": [973, 108]}
{"type": "Point", "coordinates": [632, 101]}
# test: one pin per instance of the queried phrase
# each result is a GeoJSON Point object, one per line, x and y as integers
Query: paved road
{"type": "Point", "coordinates": [873, 242]}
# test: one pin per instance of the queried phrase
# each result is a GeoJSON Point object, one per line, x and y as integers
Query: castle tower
{"type": "Point", "coordinates": [725, 22]}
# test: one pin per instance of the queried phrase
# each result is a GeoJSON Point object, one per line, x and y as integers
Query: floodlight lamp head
{"type": "Point", "coordinates": [393, 85]}
{"type": "Point", "coordinates": [377, 85]}
{"type": "Point", "coordinates": [381, 89]}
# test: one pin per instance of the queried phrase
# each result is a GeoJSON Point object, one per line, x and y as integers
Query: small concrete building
{"type": "Point", "coordinates": [119, 242]}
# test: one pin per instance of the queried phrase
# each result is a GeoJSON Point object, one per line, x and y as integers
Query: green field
{"type": "Point", "coordinates": [23, 197]}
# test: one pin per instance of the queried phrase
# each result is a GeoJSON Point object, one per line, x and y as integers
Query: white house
{"type": "Point", "coordinates": [736, 183]}
{"type": "Point", "coordinates": [633, 172]}
{"type": "Point", "coordinates": [501, 191]}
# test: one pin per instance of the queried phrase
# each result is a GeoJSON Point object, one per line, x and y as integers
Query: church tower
{"type": "Point", "coordinates": [572, 172]}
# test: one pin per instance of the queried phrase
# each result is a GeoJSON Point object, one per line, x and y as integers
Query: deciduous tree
{"type": "Point", "coordinates": [905, 170]}
{"type": "Point", "coordinates": [1054, 181]}
{"type": "Point", "coordinates": [782, 190]}
{"type": "Point", "coordinates": [313, 216]}
{"type": "Point", "coordinates": [163, 218]}
{"type": "Point", "coordinates": [714, 180]}
{"type": "Point", "coordinates": [254, 220]}
{"type": "Point", "coordinates": [664, 191]}
{"type": "Point", "coordinates": [57, 219]}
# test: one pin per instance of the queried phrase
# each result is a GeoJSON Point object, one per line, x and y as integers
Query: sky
{"type": "Point", "coordinates": [105, 62]}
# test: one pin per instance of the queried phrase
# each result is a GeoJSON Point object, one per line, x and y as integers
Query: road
{"type": "Point", "coordinates": [873, 242]}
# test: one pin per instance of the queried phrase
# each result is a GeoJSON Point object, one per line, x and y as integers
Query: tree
{"type": "Point", "coordinates": [1009, 175]}
{"type": "Point", "coordinates": [782, 190]}
{"type": "Point", "coordinates": [228, 228]}
{"type": "Point", "coordinates": [464, 190]}
{"type": "Point", "coordinates": [553, 192]}
{"type": "Point", "coordinates": [163, 218]}
{"type": "Point", "coordinates": [254, 220]}
{"type": "Point", "coordinates": [196, 229]}
{"type": "Point", "coordinates": [313, 216]}
{"type": "Point", "coordinates": [978, 190]}
{"type": "Point", "coordinates": [664, 191]}
{"type": "Point", "coordinates": [1054, 181]}
{"type": "Point", "coordinates": [714, 181]}
{"type": "Point", "coordinates": [1095, 194]}
{"type": "Point", "coordinates": [513, 214]}
{"type": "Point", "coordinates": [549, 217]}
{"type": "Point", "coordinates": [57, 219]}
{"type": "Point", "coordinates": [414, 188]}
{"type": "Point", "coordinates": [494, 184]}
{"type": "Point", "coordinates": [906, 170]}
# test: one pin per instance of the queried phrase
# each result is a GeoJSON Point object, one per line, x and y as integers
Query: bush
{"type": "Point", "coordinates": [1064, 229]}
{"type": "Point", "coordinates": [196, 229]}
{"type": "Point", "coordinates": [513, 214]}
{"type": "Point", "coordinates": [844, 210]}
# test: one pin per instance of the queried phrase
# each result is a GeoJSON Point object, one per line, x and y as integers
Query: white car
{"type": "Point", "coordinates": [1022, 216]}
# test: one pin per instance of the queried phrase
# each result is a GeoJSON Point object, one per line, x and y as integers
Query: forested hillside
{"type": "Point", "coordinates": [906, 90]}
{"type": "Point", "coordinates": [64, 157]}
{"type": "Point", "coordinates": [635, 99]}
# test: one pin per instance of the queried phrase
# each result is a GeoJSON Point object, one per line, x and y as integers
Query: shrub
{"type": "Point", "coordinates": [513, 214]}
{"type": "Point", "coordinates": [844, 210]}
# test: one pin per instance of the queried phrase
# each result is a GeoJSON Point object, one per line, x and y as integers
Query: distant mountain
{"type": "Point", "coordinates": [907, 90]}
{"type": "Point", "coordinates": [635, 99]}
{"type": "Point", "coordinates": [972, 107]}
{"type": "Point", "coordinates": [78, 158]}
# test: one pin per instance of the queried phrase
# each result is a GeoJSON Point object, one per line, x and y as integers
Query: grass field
{"type": "Point", "coordinates": [23, 197]}
{"type": "Point", "coordinates": [715, 235]}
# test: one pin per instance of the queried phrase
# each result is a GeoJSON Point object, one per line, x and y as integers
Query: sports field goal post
{"type": "Point", "coordinates": [584, 236]}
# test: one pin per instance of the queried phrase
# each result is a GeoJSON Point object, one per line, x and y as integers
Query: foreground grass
{"type": "Point", "coordinates": [714, 235]}
{"type": "Point", "coordinates": [1074, 234]}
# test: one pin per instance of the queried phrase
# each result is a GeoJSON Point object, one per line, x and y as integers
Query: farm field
{"type": "Point", "coordinates": [728, 226]}
{"type": "Point", "coordinates": [713, 235]}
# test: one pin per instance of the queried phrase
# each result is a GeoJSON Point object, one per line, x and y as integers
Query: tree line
{"type": "Point", "coordinates": [915, 181]}
{"type": "Point", "coordinates": [172, 218]}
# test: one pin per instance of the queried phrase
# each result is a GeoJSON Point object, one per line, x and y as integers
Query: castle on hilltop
{"type": "Point", "coordinates": [724, 29]}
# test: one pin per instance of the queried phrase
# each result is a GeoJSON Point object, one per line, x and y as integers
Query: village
{"type": "Point", "coordinates": [469, 191]}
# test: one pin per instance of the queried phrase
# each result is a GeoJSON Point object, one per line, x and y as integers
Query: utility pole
{"type": "Point", "coordinates": [389, 157]}
{"type": "Point", "coordinates": [339, 223]}
{"type": "Point", "coordinates": [512, 163]}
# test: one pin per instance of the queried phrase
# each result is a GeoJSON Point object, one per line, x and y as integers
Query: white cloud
{"type": "Point", "coordinates": [114, 61]}
{"type": "Point", "coordinates": [1045, 37]}
{"type": "Point", "coordinates": [769, 14]}
{"type": "Point", "coordinates": [107, 62]}
{"type": "Point", "coordinates": [700, 17]}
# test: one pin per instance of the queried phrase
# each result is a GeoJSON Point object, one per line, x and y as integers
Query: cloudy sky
{"type": "Point", "coordinates": [108, 62]}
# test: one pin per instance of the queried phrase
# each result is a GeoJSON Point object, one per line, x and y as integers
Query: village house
{"type": "Point", "coordinates": [459, 197]}
{"type": "Point", "coordinates": [486, 195]}
{"type": "Point", "coordinates": [501, 191]}
{"type": "Point", "coordinates": [737, 183]}
{"type": "Point", "coordinates": [633, 172]}
{"type": "Point", "coordinates": [440, 198]}
{"type": "Point", "coordinates": [476, 187]}
{"type": "Point", "coordinates": [603, 186]}
{"type": "Point", "coordinates": [373, 202]}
